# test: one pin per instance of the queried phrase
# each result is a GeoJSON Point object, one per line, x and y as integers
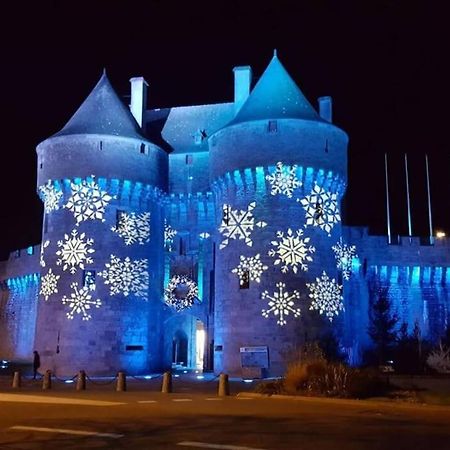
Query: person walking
{"type": "Point", "coordinates": [36, 363]}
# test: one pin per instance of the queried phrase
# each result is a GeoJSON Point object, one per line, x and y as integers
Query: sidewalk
{"type": "Point", "coordinates": [183, 381]}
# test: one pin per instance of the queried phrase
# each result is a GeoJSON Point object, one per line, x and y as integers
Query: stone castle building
{"type": "Point", "coordinates": [205, 236]}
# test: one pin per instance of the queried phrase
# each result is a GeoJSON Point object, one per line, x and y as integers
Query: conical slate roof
{"type": "Point", "coordinates": [275, 96]}
{"type": "Point", "coordinates": [103, 113]}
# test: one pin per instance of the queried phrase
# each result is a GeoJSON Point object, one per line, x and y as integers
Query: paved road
{"type": "Point", "coordinates": [142, 419]}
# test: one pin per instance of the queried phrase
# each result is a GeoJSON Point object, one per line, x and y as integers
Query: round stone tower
{"type": "Point", "coordinates": [278, 171]}
{"type": "Point", "coordinates": [101, 273]}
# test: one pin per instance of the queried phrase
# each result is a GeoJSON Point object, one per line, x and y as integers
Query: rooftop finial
{"type": "Point", "coordinates": [274, 52]}
{"type": "Point", "coordinates": [104, 71]}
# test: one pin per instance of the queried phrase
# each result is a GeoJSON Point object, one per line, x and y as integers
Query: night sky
{"type": "Point", "coordinates": [385, 63]}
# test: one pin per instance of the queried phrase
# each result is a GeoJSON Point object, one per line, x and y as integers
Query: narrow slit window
{"type": "Point", "coordinates": [272, 126]}
{"type": "Point", "coordinates": [245, 280]}
{"type": "Point", "coordinates": [143, 149]}
{"type": "Point", "coordinates": [89, 279]}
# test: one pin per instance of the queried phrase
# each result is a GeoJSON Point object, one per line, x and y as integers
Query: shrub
{"type": "Point", "coordinates": [270, 387]}
{"type": "Point", "coordinates": [439, 359]}
{"type": "Point", "coordinates": [332, 380]}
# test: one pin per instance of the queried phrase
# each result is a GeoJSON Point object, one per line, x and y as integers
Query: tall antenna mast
{"type": "Point", "coordinates": [388, 213]}
{"type": "Point", "coordinates": [429, 201]}
{"type": "Point", "coordinates": [407, 199]}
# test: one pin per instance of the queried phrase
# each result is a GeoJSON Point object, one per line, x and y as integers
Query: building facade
{"type": "Point", "coordinates": [207, 237]}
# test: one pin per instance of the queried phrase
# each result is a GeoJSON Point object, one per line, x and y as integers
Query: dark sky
{"type": "Point", "coordinates": [385, 63]}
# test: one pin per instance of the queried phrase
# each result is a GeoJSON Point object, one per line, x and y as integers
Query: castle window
{"type": "Point", "coordinates": [326, 145]}
{"type": "Point", "coordinates": [89, 279]}
{"type": "Point", "coordinates": [143, 149]}
{"type": "Point", "coordinates": [200, 136]}
{"type": "Point", "coordinates": [189, 160]}
{"type": "Point", "coordinates": [272, 126]}
{"type": "Point", "coordinates": [134, 348]}
{"type": "Point", "coordinates": [40, 166]}
{"type": "Point", "coordinates": [226, 214]}
{"type": "Point", "coordinates": [245, 280]}
{"type": "Point", "coordinates": [30, 250]}
{"type": "Point", "coordinates": [17, 253]}
{"type": "Point", "coordinates": [100, 146]}
{"type": "Point", "coordinates": [119, 214]}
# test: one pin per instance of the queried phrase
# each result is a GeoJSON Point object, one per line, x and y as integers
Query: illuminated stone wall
{"type": "Point", "coordinates": [267, 221]}
{"type": "Point", "coordinates": [109, 228]}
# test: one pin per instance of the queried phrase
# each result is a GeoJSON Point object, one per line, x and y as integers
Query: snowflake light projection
{"type": "Point", "coordinates": [238, 224]}
{"type": "Point", "coordinates": [283, 180]}
{"type": "Point", "coordinates": [80, 302]}
{"type": "Point", "coordinates": [180, 293]}
{"type": "Point", "coordinates": [321, 209]}
{"type": "Point", "coordinates": [281, 303]}
{"type": "Point", "coordinates": [292, 250]}
{"type": "Point", "coordinates": [252, 266]}
{"type": "Point", "coordinates": [326, 296]}
{"type": "Point", "coordinates": [74, 251]}
{"type": "Point", "coordinates": [87, 201]}
{"type": "Point", "coordinates": [51, 197]}
{"type": "Point", "coordinates": [127, 276]}
{"type": "Point", "coordinates": [49, 284]}
{"type": "Point", "coordinates": [133, 228]}
{"type": "Point", "coordinates": [169, 234]}
{"type": "Point", "coordinates": [44, 245]}
{"type": "Point", "coordinates": [344, 255]}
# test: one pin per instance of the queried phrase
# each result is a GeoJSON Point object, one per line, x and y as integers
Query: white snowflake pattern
{"type": "Point", "coordinates": [326, 296]}
{"type": "Point", "coordinates": [44, 245]}
{"type": "Point", "coordinates": [127, 276]}
{"type": "Point", "coordinates": [180, 293]}
{"type": "Point", "coordinates": [49, 284]}
{"type": "Point", "coordinates": [80, 302]}
{"type": "Point", "coordinates": [292, 250]}
{"type": "Point", "coordinates": [87, 201]}
{"type": "Point", "coordinates": [283, 180]}
{"type": "Point", "coordinates": [74, 251]}
{"type": "Point", "coordinates": [281, 303]}
{"type": "Point", "coordinates": [238, 224]}
{"type": "Point", "coordinates": [51, 196]}
{"type": "Point", "coordinates": [252, 266]}
{"type": "Point", "coordinates": [321, 209]}
{"type": "Point", "coordinates": [169, 234]}
{"type": "Point", "coordinates": [344, 255]}
{"type": "Point", "coordinates": [133, 227]}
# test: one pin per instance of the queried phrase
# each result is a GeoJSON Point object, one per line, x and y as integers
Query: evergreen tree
{"type": "Point", "coordinates": [382, 325]}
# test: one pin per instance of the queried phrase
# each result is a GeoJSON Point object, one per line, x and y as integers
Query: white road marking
{"type": "Point", "coordinates": [217, 446]}
{"type": "Point", "coordinates": [55, 400]}
{"type": "Point", "coordinates": [65, 431]}
{"type": "Point", "coordinates": [244, 398]}
{"type": "Point", "coordinates": [182, 399]}
{"type": "Point", "coordinates": [214, 398]}
{"type": "Point", "coordinates": [147, 401]}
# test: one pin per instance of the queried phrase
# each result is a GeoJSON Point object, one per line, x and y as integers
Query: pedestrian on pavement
{"type": "Point", "coordinates": [36, 363]}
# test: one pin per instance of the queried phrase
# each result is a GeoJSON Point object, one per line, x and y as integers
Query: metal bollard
{"type": "Point", "coordinates": [47, 380]}
{"type": "Point", "coordinates": [81, 380]}
{"type": "Point", "coordinates": [224, 387]}
{"type": "Point", "coordinates": [121, 382]}
{"type": "Point", "coordinates": [17, 380]}
{"type": "Point", "coordinates": [167, 383]}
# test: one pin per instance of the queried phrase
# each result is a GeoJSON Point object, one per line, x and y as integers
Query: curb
{"type": "Point", "coordinates": [347, 402]}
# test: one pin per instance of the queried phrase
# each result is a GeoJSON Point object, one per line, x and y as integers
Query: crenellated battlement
{"type": "Point", "coordinates": [125, 192]}
{"type": "Point", "coordinates": [255, 180]}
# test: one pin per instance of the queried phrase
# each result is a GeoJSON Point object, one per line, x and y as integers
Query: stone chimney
{"type": "Point", "coordinates": [242, 81]}
{"type": "Point", "coordinates": [326, 108]}
{"type": "Point", "coordinates": [138, 102]}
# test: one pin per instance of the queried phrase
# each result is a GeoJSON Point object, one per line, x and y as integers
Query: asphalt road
{"type": "Point", "coordinates": [195, 418]}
